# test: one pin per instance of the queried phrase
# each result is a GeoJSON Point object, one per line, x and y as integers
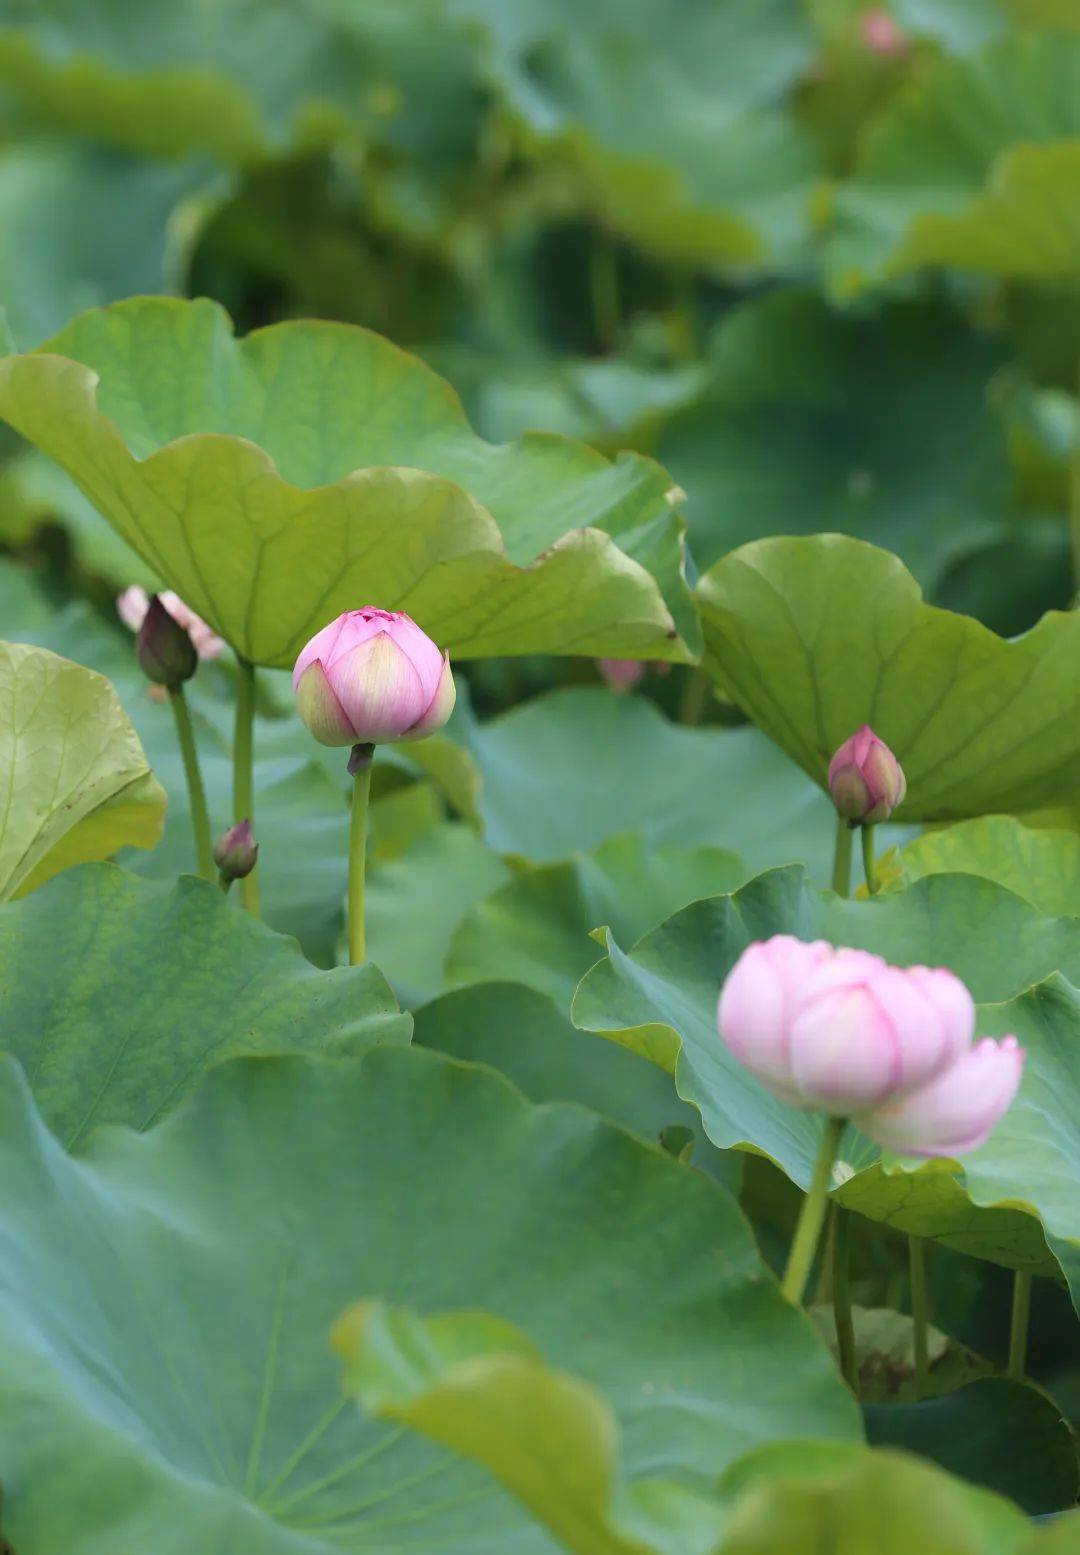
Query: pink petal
{"type": "Point", "coordinates": [440, 707]}
{"type": "Point", "coordinates": [132, 605]}
{"type": "Point", "coordinates": [379, 689]}
{"type": "Point", "coordinates": [955, 1112]}
{"type": "Point", "coordinates": [320, 709]}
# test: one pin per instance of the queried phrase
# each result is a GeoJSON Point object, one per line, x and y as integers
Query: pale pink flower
{"type": "Point", "coordinates": [622, 674]}
{"type": "Point", "coordinates": [842, 1032]}
{"type": "Point", "coordinates": [133, 603]}
{"type": "Point", "coordinates": [881, 34]}
{"type": "Point", "coordinates": [372, 677]}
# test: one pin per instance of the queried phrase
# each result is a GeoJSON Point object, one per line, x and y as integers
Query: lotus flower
{"type": "Point", "coordinates": [372, 677]}
{"type": "Point", "coordinates": [843, 1032]}
{"type": "Point", "coordinates": [133, 604]}
{"type": "Point", "coordinates": [865, 779]}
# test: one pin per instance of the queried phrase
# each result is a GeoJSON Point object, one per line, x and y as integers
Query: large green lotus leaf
{"type": "Point", "coordinates": [478, 1386]}
{"type": "Point", "coordinates": [1023, 227]}
{"type": "Point", "coordinates": [416, 902]}
{"type": "Point", "coordinates": [76, 782]}
{"type": "Point", "coordinates": [180, 1366]}
{"type": "Point", "coordinates": [676, 123]}
{"type": "Point", "coordinates": [995, 1432]}
{"type": "Point", "coordinates": [877, 426]}
{"type": "Point", "coordinates": [932, 157]}
{"type": "Point", "coordinates": [536, 928]}
{"type": "Point", "coordinates": [1040, 864]}
{"type": "Point", "coordinates": [120, 992]}
{"type": "Point", "coordinates": [815, 636]}
{"type": "Point", "coordinates": [568, 770]}
{"type": "Point", "coordinates": [524, 1036]}
{"type": "Point", "coordinates": [278, 480]}
{"type": "Point", "coordinates": [93, 227]}
{"type": "Point", "coordinates": [240, 81]}
{"type": "Point", "coordinates": [799, 1497]}
{"type": "Point", "coordinates": [660, 1000]}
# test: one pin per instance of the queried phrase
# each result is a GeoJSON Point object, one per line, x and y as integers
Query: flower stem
{"type": "Point", "coordinates": [695, 696]}
{"type": "Point", "coordinates": [1074, 503]}
{"type": "Point", "coordinates": [841, 869]}
{"type": "Point", "coordinates": [361, 770]}
{"type": "Point", "coordinates": [200, 819]}
{"type": "Point", "coordinates": [243, 769]}
{"type": "Point", "coordinates": [869, 863]}
{"type": "Point", "coordinates": [917, 1267]}
{"type": "Point", "coordinates": [812, 1215]}
{"type": "Point", "coordinates": [841, 1296]}
{"type": "Point", "coordinates": [1018, 1329]}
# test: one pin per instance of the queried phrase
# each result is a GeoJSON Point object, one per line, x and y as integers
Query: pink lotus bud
{"type": "Point", "coordinates": [865, 779]}
{"type": "Point", "coordinates": [134, 602]}
{"type": "Point", "coordinates": [955, 1112]}
{"type": "Point", "coordinates": [880, 34]}
{"type": "Point", "coordinates": [622, 674]}
{"type": "Point", "coordinates": [165, 651]}
{"type": "Point", "coordinates": [371, 677]}
{"type": "Point", "coordinates": [840, 1030]}
{"type": "Point", "coordinates": [236, 851]}
{"type": "Point", "coordinates": [865, 1031]}
{"type": "Point", "coordinates": [758, 1004]}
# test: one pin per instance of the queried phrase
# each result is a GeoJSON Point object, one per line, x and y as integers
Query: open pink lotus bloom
{"type": "Point", "coordinates": [841, 1031]}
{"type": "Point", "coordinates": [372, 677]}
{"type": "Point", "coordinates": [134, 602]}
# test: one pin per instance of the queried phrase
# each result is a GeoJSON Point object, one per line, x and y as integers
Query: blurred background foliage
{"type": "Point", "coordinates": [817, 256]}
{"type": "Point", "coordinates": [821, 258]}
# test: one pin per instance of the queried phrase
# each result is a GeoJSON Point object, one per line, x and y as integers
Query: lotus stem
{"type": "Point", "coordinates": [1018, 1328]}
{"type": "Point", "coordinates": [243, 769]}
{"type": "Point", "coordinates": [841, 870]}
{"type": "Point", "coordinates": [200, 818]}
{"type": "Point", "coordinates": [812, 1215]}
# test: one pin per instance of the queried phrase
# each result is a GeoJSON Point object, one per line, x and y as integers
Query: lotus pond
{"type": "Point", "coordinates": [540, 771]}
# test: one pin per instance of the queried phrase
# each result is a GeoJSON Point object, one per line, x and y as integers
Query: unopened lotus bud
{"type": "Point", "coordinates": [134, 602]}
{"type": "Point", "coordinates": [880, 34]}
{"type": "Point", "coordinates": [842, 1032]}
{"type": "Point", "coordinates": [372, 677]}
{"type": "Point", "coordinates": [865, 779]}
{"type": "Point", "coordinates": [165, 651]}
{"type": "Point", "coordinates": [236, 852]}
{"type": "Point", "coordinates": [621, 674]}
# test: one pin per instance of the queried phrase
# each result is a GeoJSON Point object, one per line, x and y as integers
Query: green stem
{"type": "Point", "coordinates": [225, 882]}
{"type": "Point", "coordinates": [243, 769]}
{"type": "Point", "coordinates": [604, 290]}
{"type": "Point", "coordinates": [695, 696]}
{"type": "Point", "coordinates": [869, 863]}
{"type": "Point", "coordinates": [200, 818]}
{"type": "Point", "coordinates": [812, 1215]}
{"type": "Point", "coordinates": [917, 1266]}
{"type": "Point", "coordinates": [358, 861]}
{"type": "Point", "coordinates": [841, 1296]}
{"type": "Point", "coordinates": [841, 869]}
{"type": "Point", "coordinates": [1018, 1329]}
{"type": "Point", "coordinates": [1074, 502]}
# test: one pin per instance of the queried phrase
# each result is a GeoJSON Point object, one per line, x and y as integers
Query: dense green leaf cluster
{"type": "Point", "coordinates": [736, 338]}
